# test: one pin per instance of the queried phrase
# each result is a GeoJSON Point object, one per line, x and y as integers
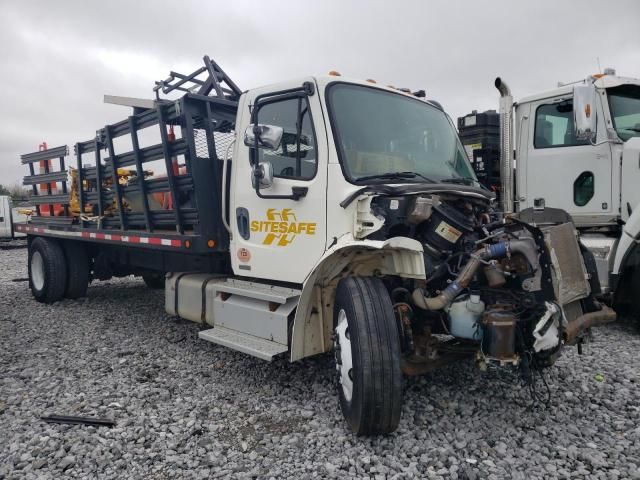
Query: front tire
{"type": "Point", "coordinates": [47, 270]}
{"type": "Point", "coordinates": [626, 301]}
{"type": "Point", "coordinates": [367, 351]}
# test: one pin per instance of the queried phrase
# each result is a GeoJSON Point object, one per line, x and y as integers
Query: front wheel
{"type": "Point", "coordinates": [626, 301]}
{"type": "Point", "coordinates": [367, 351]}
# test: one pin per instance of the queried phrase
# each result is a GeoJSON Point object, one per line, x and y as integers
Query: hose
{"type": "Point", "coordinates": [452, 290]}
{"type": "Point", "coordinates": [488, 252]}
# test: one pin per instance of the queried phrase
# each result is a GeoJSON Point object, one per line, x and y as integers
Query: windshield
{"type": "Point", "coordinates": [624, 102]}
{"type": "Point", "coordinates": [393, 138]}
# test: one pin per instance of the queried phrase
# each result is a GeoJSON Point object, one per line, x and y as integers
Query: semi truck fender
{"type": "Point", "coordinates": [627, 253]}
{"type": "Point", "coordinates": [313, 321]}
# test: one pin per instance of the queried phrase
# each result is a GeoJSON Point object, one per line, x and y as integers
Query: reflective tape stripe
{"type": "Point", "coordinates": [167, 242]}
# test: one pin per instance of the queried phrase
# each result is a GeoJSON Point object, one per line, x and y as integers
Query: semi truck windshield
{"type": "Point", "coordinates": [624, 102]}
{"type": "Point", "coordinates": [379, 134]}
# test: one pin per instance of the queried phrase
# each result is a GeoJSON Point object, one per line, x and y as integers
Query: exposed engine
{"type": "Point", "coordinates": [491, 284]}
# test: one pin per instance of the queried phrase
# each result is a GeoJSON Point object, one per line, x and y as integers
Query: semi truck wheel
{"type": "Point", "coordinates": [47, 270]}
{"type": "Point", "coordinates": [367, 351]}
{"type": "Point", "coordinates": [77, 269]}
{"type": "Point", "coordinates": [154, 280]}
{"type": "Point", "coordinates": [626, 300]}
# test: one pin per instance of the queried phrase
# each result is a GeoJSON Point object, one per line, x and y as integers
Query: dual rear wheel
{"type": "Point", "coordinates": [57, 269]}
{"type": "Point", "coordinates": [61, 269]}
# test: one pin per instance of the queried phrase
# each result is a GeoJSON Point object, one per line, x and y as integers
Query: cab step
{"type": "Point", "coordinates": [259, 291]}
{"type": "Point", "coordinates": [243, 342]}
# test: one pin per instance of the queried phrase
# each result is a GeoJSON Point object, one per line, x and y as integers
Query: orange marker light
{"type": "Point", "coordinates": [333, 73]}
{"type": "Point", "coordinates": [371, 80]}
{"type": "Point", "coordinates": [211, 243]}
{"type": "Point", "coordinates": [587, 110]}
{"type": "Point", "coordinates": [187, 243]}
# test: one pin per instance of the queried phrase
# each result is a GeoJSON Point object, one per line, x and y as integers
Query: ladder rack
{"type": "Point", "coordinates": [216, 82]}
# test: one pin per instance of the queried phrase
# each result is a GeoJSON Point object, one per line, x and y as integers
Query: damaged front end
{"type": "Point", "coordinates": [497, 288]}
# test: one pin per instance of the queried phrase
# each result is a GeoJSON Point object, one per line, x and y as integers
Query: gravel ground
{"type": "Point", "coordinates": [185, 408]}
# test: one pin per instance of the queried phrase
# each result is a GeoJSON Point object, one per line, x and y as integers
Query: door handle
{"type": "Point", "coordinates": [242, 220]}
{"type": "Point", "coordinates": [299, 192]}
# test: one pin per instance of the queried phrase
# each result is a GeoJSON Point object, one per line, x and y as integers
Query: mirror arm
{"type": "Point", "coordinates": [307, 89]}
{"type": "Point", "coordinates": [254, 154]}
{"type": "Point", "coordinates": [296, 193]}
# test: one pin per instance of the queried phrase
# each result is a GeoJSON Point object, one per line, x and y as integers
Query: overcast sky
{"type": "Point", "coordinates": [58, 58]}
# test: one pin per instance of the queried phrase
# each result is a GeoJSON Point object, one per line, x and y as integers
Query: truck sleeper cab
{"type": "Point", "coordinates": [346, 219]}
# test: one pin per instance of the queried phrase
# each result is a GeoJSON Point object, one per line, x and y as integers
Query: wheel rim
{"type": "Point", "coordinates": [344, 359]}
{"type": "Point", "coordinates": [37, 271]}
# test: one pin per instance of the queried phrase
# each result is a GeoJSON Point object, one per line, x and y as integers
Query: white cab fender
{"type": "Point", "coordinates": [313, 322]}
{"type": "Point", "coordinates": [629, 239]}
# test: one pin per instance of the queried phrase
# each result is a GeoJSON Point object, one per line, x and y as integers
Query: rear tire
{"type": "Point", "coordinates": [47, 270]}
{"type": "Point", "coordinates": [77, 269]}
{"type": "Point", "coordinates": [154, 280]}
{"type": "Point", "coordinates": [367, 351]}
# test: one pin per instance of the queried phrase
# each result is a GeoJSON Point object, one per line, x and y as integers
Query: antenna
{"type": "Point", "coordinates": [599, 68]}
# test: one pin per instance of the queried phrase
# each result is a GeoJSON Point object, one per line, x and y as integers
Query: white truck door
{"type": "Point", "coordinates": [5, 217]}
{"type": "Point", "coordinates": [562, 172]}
{"type": "Point", "coordinates": [630, 178]}
{"type": "Point", "coordinates": [281, 238]}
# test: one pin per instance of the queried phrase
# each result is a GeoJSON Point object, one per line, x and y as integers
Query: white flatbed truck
{"type": "Point", "coordinates": [313, 215]}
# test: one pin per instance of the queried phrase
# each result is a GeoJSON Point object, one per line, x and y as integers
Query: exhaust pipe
{"type": "Point", "coordinates": [588, 320]}
{"type": "Point", "coordinates": [506, 145]}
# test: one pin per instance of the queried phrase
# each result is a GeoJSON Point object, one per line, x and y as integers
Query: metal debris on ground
{"type": "Point", "coordinates": [96, 422]}
{"type": "Point", "coordinates": [13, 244]}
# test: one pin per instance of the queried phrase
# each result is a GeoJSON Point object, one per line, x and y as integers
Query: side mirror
{"type": "Point", "coordinates": [584, 112]}
{"type": "Point", "coordinates": [262, 175]}
{"type": "Point", "coordinates": [269, 136]}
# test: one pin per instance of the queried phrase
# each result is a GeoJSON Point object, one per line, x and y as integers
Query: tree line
{"type": "Point", "coordinates": [17, 192]}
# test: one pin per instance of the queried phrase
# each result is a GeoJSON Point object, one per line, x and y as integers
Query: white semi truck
{"type": "Point", "coordinates": [8, 216]}
{"type": "Point", "coordinates": [577, 148]}
{"type": "Point", "coordinates": [6, 220]}
{"type": "Point", "coordinates": [320, 214]}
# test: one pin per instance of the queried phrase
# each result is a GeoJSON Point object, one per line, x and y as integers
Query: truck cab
{"type": "Point", "coordinates": [592, 174]}
{"type": "Point", "coordinates": [347, 137]}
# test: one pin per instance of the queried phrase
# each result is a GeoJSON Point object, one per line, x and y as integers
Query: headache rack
{"type": "Point", "coordinates": [109, 190]}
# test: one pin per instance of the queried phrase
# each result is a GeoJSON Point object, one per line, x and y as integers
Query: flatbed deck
{"type": "Point", "coordinates": [111, 197]}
